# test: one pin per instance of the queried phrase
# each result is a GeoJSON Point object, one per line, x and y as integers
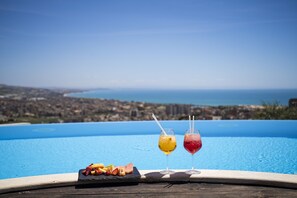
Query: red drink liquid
{"type": "Point", "coordinates": [192, 143]}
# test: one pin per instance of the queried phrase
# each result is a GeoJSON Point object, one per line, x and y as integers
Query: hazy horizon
{"type": "Point", "coordinates": [169, 44]}
{"type": "Point", "coordinates": [142, 88]}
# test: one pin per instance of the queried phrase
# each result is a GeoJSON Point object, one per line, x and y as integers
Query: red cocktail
{"type": "Point", "coordinates": [192, 143]}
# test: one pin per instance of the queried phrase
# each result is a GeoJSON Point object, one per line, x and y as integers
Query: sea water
{"type": "Point", "coordinates": [195, 97]}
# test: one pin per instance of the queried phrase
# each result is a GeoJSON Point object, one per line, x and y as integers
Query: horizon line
{"type": "Point", "coordinates": [145, 88]}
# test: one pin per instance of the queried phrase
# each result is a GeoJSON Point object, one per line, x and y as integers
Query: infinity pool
{"type": "Point", "coordinates": [231, 145]}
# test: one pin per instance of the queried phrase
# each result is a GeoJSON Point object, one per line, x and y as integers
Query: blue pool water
{"type": "Point", "coordinates": [226, 145]}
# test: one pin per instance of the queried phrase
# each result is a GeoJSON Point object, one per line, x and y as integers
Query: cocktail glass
{"type": "Point", "coordinates": [167, 144]}
{"type": "Point", "coordinates": [192, 143]}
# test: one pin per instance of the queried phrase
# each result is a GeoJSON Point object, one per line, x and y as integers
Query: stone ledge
{"type": "Point", "coordinates": [206, 176]}
{"type": "Point", "coordinates": [225, 177]}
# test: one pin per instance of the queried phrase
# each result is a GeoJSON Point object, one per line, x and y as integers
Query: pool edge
{"type": "Point", "coordinates": [206, 176]}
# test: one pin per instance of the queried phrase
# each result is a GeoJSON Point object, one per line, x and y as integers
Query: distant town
{"type": "Point", "coordinates": [36, 105]}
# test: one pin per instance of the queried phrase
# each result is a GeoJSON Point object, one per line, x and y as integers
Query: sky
{"type": "Point", "coordinates": [171, 44]}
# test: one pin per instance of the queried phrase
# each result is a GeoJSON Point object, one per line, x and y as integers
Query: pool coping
{"type": "Point", "coordinates": [147, 176]}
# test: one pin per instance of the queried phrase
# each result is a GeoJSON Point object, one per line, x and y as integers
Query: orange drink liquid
{"type": "Point", "coordinates": [167, 143]}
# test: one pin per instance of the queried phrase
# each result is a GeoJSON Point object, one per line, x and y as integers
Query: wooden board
{"type": "Point", "coordinates": [158, 190]}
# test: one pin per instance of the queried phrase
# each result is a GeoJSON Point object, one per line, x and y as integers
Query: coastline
{"type": "Point", "coordinates": [32, 105]}
{"type": "Point", "coordinates": [194, 97]}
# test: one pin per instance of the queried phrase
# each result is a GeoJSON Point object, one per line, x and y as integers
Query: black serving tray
{"type": "Point", "coordinates": [128, 178]}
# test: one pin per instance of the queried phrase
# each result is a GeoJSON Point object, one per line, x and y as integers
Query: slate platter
{"type": "Point", "coordinates": [128, 178]}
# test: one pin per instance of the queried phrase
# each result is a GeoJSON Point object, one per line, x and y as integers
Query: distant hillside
{"type": "Point", "coordinates": [24, 92]}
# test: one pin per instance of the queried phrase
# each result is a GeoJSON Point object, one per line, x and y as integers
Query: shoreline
{"type": "Point", "coordinates": [32, 105]}
{"type": "Point", "coordinates": [199, 97]}
{"type": "Point", "coordinates": [162, 103]}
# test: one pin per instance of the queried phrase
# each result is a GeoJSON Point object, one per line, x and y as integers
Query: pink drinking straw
{"type": "Point", "coordinates": [193, 124]}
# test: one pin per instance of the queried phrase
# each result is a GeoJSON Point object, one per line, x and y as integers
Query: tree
{"type": "Point", "coordinates": [275, 111]}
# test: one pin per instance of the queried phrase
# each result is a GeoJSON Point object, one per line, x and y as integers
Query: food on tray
{"type": "Point", "coordinates": [97, 165]}
{"type": "Point", "coordinates": [129, 168]}
{"type": "Point", "coordinates": [99, 169]}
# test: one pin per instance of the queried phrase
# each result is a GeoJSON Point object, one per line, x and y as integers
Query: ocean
{"type": "Point", "coordinates": [194, 97]}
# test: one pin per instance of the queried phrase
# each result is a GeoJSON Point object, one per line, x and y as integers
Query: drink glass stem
{"type": "Point", "coordinates": [192, 161]}
{"type": "Point", "coordinates": [167, 162]}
